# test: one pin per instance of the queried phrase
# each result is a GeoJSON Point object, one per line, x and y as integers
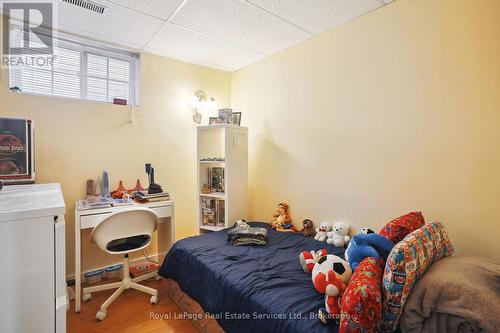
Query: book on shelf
{"type": "Point", "coordinates": [208, 211]}
{"type": "Point", "coordinates": [220, 220]}
{"type": "Point", "coordinates": [216, 179]}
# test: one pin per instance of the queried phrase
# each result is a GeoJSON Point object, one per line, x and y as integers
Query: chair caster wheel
{"type": "Point", "coordinates": [100, 315]}
{"type": "Point", "coordinates": [154, 300]}
{"type": "Point", "coordinates": [86, 297]}
{"type": "Point", "coordinates": [158, 278]}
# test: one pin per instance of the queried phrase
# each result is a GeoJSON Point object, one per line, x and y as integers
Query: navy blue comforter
{"type": "Point", "coordinates": [250, 289]}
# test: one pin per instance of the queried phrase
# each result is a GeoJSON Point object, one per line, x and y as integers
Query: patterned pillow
{"type": "Point", "coordinates": [398, 228]}
{"type": "Point", "coordinates": [361, 307]}
{"type": "Point", "coordinates": [407, 262]}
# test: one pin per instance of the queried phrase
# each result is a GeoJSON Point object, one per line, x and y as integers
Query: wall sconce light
{"type": "Point", "coordinates": [201, 103]}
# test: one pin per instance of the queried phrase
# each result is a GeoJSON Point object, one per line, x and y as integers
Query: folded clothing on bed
{"type": "Point", "coordinates": [457, 294]}
{"type": "Point", "coordinates": [243, 234]}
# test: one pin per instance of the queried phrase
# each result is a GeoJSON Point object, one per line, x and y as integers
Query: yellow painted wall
{"type": "Point", "coordinates": [395, 111]}
{"type": "Point", "coordinates": [398, 110]}
{"type": "Point", "coordinates": [77, 140]}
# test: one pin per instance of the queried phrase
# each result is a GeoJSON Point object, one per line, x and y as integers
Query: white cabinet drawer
{"type": "Point", "coordinates": [164, 211]}
{"type": "Point", "coordinates": [90, 221]}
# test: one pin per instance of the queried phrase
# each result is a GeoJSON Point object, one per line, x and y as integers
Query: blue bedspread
{"type": "Point", "coordinates": [265, 283]}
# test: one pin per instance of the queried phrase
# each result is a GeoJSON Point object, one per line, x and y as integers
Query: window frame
{"type": "Point", "coordinates": [85, 46]}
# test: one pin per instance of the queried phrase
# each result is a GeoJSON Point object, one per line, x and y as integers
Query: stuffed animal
{"type": "Point", "coordinates": [338, 236]}
{"type": "Point", "coordinates": [330, 275]}
{"type": "Point", "coordinates": [282, 221]}
{"type": "Point", "coordinates": [307, 228]}
{"type": "Point", "coordinates": [367, 231]}
{"type": "Point", "coordinates": [309, 258]}
{"type": "Point", "coordinates": [321, 232]}
{"type": "Point", "coordinates": [367, 245]}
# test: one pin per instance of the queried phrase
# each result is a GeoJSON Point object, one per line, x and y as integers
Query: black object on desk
{"type": "Point", "coordinates": [153, 186]}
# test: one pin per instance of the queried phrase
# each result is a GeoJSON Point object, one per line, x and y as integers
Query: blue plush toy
{"type": "Point", "coordinates": [367, 245]}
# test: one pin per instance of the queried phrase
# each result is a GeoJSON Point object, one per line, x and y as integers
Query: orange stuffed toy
{"type": "Point", "coordinates": [282, 221]}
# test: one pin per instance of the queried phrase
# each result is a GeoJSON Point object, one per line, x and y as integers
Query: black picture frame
{"type": "Point", "coordinates": [17, 153]}
{"type": "Point", "coordinates": [225, 116]}
{"type": "Point", "coordinates": [236, 118]}
{"type": "Point", "coordinates": [213, 121]}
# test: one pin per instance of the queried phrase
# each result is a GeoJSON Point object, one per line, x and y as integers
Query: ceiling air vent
{"type": "Point", "coordinates": [89, 5]}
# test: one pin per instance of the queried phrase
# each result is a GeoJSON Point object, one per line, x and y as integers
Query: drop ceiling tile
{"type": "Point", "coordinates": [178, 43]}
{"type": "Point", "coordinates": [120, 25]}
{"type": "Point", "coordinates": [157, 8]}
{"type": "Point", "coordinates": [239, 22]}
{"type": "Point", "coordinates": [317, 16]}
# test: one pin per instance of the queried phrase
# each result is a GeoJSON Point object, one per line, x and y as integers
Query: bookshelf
{"type": "Point", "coordinates": [224, 200]}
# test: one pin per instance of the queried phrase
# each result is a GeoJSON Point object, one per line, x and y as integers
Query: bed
{"type": "Point", "coordinates": [250, 288]}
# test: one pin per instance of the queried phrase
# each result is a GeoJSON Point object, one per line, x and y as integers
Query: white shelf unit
{"type": "Point", "coordinates": [229, 142]}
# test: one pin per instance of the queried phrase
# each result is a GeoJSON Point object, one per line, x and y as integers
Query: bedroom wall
{"type": "Point", "coordinates": [77, 140]}
{"type": "Point", "coordinates": [393, 112]}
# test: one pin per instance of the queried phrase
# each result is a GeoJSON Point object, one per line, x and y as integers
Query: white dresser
{"type": "Point", "coordinates": [32, 259]}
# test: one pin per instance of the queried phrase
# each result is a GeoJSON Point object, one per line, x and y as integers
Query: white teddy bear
{"type": "Point", "coordinates": [321, 232]}
{"type": "Point", "coordinates": [338, 236]}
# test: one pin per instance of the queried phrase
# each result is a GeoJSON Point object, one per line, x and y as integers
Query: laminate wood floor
{"type": "Point", "coordinates": [130, 313]}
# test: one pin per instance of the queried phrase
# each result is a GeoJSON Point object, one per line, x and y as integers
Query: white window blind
{"type": "Point", "coordinates": [79, 71]}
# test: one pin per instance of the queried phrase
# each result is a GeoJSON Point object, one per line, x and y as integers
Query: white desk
{"type": "Point", "coordinates": [87, 219]}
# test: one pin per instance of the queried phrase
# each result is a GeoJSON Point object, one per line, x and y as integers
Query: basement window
{"type": "Point", "coordinates": [84, 71]}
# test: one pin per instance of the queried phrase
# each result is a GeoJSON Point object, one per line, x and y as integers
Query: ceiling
{"type": "Point", "coordinates": [223, 34]}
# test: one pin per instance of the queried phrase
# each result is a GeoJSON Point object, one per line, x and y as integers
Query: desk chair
{"type": "Point", "coordinates": [123, 233]}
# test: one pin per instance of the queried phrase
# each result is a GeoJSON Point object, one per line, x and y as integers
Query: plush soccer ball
{"type": "Point", "coordinates": [332, 263]}
{"type": "Point", "coordinates": [338, 236]}
{"type": "Point", "coordinates": [321, 232]}
{"type": "Point", "coordinates": [330, 276]}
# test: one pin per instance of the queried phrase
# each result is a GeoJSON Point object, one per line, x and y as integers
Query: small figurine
{"type": "Point", "coordinates": [138, 187]}
{"type": "Point", "coordinates": [205, 189]}
{"type": "Point", "coordinates": [308, 228]}
{"type": "Point", "coordinates": [90, 188]}
{"type": "Point", "coordinates": [119, 192]}
{"type": "Point", "coordinates": [282, 221]}
{"type": "Point", "coordinates": [105, 184]}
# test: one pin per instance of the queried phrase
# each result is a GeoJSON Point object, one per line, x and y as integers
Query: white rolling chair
{"type": "Point", "coordinates": [123, 233]}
